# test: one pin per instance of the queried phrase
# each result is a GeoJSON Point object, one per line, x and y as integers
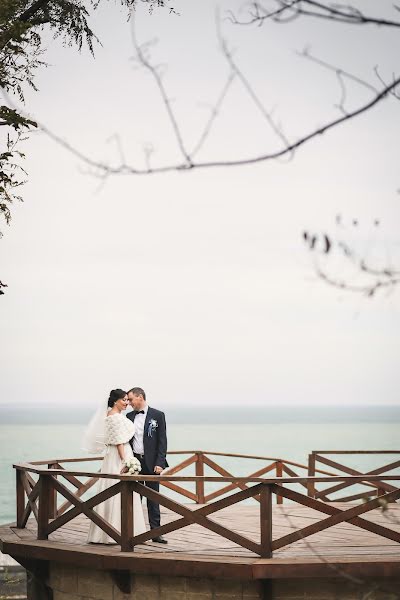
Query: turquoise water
{"type": "Point", "coordinates": [286, 440]}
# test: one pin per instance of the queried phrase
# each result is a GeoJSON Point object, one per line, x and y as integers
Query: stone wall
{"type": "Point", "coordinates": [12, 582]}
{"type": "Point", "coordinates": [73, 583]}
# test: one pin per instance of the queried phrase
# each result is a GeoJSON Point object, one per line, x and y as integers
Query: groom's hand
{"type": "Point", "coordinates": [158, 470]}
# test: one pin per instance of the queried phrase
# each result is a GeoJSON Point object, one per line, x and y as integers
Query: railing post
{"type": "Point", "coordinates": [53, 495]}
{"type": "Point", "coordinates": [311, 473]}
{"type": "Point", "coordinates": [279, 473]}
{"type": "Point", "coordinates": [20, 496]}
{"type": "Point", "coordinates": [200, 483]}
{"type": "Point", "coordinates": [266, 521]}
{"type": "Point", "coordinates": [126, 516]}
{"type": "Point", "coordinates": [45, 489]}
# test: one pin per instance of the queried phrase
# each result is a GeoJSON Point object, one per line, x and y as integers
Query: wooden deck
{"type": "Point", "coordinates": [197, 551]}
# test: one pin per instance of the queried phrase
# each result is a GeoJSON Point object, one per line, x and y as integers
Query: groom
{"type": "Point", "coordinates": [149, 445]}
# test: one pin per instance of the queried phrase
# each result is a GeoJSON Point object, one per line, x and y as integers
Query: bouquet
{"type": "Point", "coordinates": [133, 466]}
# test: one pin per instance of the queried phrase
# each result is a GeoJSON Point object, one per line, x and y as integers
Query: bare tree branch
{"type": "Point", "coordinates": [141, 52]}
{"type": "Point", "coordinates": [341, 73]}
{"type": "Point", "coordinates": [103, 169]}
{"type": "Point", "coordinates": [235, 69]}
{"type": "Point", "coordinates": [125, 168]}
{"type": "Point", "coordinates": [376, 278]}
{"type": "Point", "coordinates": [214, 113]}
{"type": "Point", "coordinates": [393, 92]}
{"type": "Point", "coordinates": [291, 9]}
{"type": "Point", "coordinates": [368, 290]}
{"type": "Point", "coordinates": [259, 14]}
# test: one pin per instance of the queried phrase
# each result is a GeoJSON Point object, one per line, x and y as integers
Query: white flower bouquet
{"type": "Point", "coordinates": [133, 465]}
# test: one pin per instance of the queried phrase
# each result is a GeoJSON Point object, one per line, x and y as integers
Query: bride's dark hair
{"type": "Point", "coordinates": [114, 396]}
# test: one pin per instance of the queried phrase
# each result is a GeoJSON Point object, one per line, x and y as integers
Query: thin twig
{"type": "Point", "coordinates": [124, 168]}
{"type": "Point", "coordinates": [295, 8]}
{"type": "Point", "coordinates": [235, 69]}
{"type": "Point", "coordinates": [394, 93]}
{"type": "Point", "coordinates": [167, 103]}
{"type": "Point", "coordinates": [340, 73]}
{"type": "Point", "coordinates": [214, 113]}
{"type": "Point", "coordinates": [368, 289]}
{"type": "Point", "coordinates": [261, 14]}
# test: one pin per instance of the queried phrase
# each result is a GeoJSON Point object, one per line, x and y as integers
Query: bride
{"type": "Point", "coordinates": [111, 430]}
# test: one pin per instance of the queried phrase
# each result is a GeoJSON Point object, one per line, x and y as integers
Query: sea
{"type": "Point", "coordinates": [289, 432]}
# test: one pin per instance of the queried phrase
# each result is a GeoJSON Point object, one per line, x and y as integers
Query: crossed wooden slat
{"type": "Point", "coordinates": [218, 469]}
{"type": "Point", "coordinates": [178, 488]}
{"type": "Point", "coordinates": [82, 488]}
{"type": "Point", "coordinates": [337, 516]}
{"type": "Point", "coordinates": [350, 471]}
{"type": "Point", "coordinates": [228, 488]}
{"type": "Point", "coordinates": [292, 473]}
{"type": "Point", "coordinates": [85, 508]}
{"type": "Point", "coordinates": [198, 516]}
{"type": "Point", "coordinates": [32, 492]}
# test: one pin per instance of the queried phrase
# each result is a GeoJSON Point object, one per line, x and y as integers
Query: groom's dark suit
{"type": "Point", "coordinates": [155, 450]}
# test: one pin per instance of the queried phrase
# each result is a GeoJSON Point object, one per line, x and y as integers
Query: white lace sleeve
{"type": "Point", "coordinates": [119, 430]}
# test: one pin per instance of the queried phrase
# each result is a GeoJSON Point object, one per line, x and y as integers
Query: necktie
{"type": "Point", "coordinates": [140, 412]}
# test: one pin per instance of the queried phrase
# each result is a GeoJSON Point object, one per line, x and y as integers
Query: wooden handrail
{"type": "Point", "coordinates": [175, 453]}
{"type": "Point", "coordinates": [41, 497]}
{"type": "Point", "coordinates": [63, 460]}
{"type": "Point", "coordinates": [355, 451]}
{"type": "Point", "coordinates": [200, 457]}
{"type": "Point", "coordinates": [373, 480]}
{"type": "Point", "coordinates": [211, 478]}
{"type": "Point", "coordinates": [264, 490]}
{"type": "Point", "coordinates": [368, 481]}
{"type": "Point", "coordinates": [233, 455]}
{"type": "Point", "coordinates": [195, 453]}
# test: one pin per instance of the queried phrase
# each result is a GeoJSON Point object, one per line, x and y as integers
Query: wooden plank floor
{"type": "Point", "coordinates": [345, 541]}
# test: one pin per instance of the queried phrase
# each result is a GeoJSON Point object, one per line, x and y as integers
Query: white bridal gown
{"type": "Point", "coordinates": [118, 430]}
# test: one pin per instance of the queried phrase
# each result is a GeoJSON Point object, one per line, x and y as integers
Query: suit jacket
{"type": "Point", "coordinates": [155, 445]}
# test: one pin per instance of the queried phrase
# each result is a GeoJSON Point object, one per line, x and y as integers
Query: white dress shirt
{"type": "Point", "coordinates": [138, 446]}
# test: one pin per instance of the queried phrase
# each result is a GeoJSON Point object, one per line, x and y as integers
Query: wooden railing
{"type": "Point", "coordinates": [198, 459]}
{"type": "Point", "coordinates": [201, 459]}
{"type": "Point", "coordinates": [373, 487]}
{"type": "Point", "coordinates": [39, 496]}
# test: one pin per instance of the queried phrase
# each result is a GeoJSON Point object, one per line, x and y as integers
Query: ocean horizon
{"type": "Point", "coordinates": [212, 413]}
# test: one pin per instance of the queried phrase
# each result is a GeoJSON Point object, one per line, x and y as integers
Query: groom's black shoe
{"type": "Point", "coordinates": [160, 540]}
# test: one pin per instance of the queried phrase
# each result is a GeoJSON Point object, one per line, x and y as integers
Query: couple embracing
{"type": "Point", "coordinates": [141, 435]}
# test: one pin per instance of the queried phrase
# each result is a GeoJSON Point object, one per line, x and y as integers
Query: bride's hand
{"type": "Point", "coordinates": [123, 470]}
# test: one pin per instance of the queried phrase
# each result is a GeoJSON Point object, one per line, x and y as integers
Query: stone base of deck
{"type": "Point", "coordinates": [74, 583]}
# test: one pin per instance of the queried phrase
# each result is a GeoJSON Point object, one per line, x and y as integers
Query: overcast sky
{"type": "Point", "coordinates": [196, 286]}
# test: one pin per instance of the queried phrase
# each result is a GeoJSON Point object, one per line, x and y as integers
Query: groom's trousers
{"type": "Point", "coordinates": [152, 507]}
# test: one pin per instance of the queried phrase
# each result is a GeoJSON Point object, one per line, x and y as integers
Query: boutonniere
{"type": "Point", "coordinates": [152, 427]}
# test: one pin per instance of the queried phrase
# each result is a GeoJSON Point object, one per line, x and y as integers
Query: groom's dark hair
{"type": "Point", "coordinates": [136, 391]}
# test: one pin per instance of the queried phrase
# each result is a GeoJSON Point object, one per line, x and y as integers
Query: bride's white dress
{"type": "Point", "coordinates": [118, 430]}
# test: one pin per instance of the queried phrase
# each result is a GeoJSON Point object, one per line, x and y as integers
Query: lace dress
{"type": "Point", "coordinates": [119, 430]}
